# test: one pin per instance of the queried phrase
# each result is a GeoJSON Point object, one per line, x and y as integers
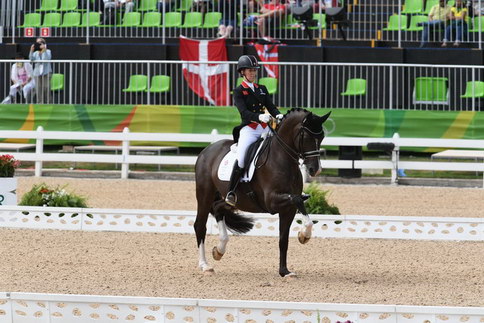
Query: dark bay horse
{"type": "Point", "coordinates": [277, 184]}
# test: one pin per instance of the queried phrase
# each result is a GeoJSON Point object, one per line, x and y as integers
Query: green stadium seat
{"type": "Point", "coordinates": [212, 19]}
{"type": "Point", "coordinates": [239, 81]}
{"type": "Point", "coordinates": [52, 19]}
{"type": "Point", "coordinates": [151, 19]}
{"type": "Point", "coordinates": [451, 3]}
{"type": "Point", "coordinates": [94, 19]}
{"type": "Point", "coordinates": [68, 5]}
{"type": "Point", "coordinates": [193, 20]}
{"type": "Point", "coordinates": [270, 83]}
{"type": "Point", "coordinates": [148, 5]}
{"type": "Point", "coordinates": [131, 19]}
{"type": "Point", "coordinates": [32, 20]}
{"type": "Point", "coordinates": [185, 5]}
{"type": "Point", "coordinates": [414, 20]}
{"type": "Point", "coordinates": [137, 83]}
{"type": "Point", "coordinates": [172, 19]}
{"type": "Point", "coordinates": [49, 5]}
{"type": "Point", "coordinates": [431, 90]}
{"type": "Point", "coordinates": [321, 19]}
{"type": "Point", "coordinates": [429, 4]}
{"type": "Point", "coordinates": [474, 90]}
{"type": "Point", "coordinates": [393, 23]}
{"type": "Point", "coordinates": [160, 84]}
{"type": "Point", "coordinates": [475, 24]}
{"type": "Point", "coordinates": [355, 86]}
{"type": "Point", "coordinates": [71, 19]}
{"type": "Point", "coordinates": [57, 82]}
{"type": "Point", "coordinates": [413, 6]}
{"type": "Point", "coordinates": [289, 21]}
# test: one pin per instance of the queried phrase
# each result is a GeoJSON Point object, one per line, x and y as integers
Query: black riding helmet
{"type": "Point", "coordinates": [247, 61]}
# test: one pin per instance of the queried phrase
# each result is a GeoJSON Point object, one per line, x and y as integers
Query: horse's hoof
{"type": "Point", "coordinates": [291, 276]}
{"type": "Point", "coordinates": [208, 271]}
{"type": "Point", "coordinates": [302, 238]}
{"type": "Point", "coordinates": [216, 254]}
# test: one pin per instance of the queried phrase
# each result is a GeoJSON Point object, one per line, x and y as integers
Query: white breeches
{"type": "Point", "coordinates": [26, 89]}
{"type": "Point", "coordinates": [247, 137]}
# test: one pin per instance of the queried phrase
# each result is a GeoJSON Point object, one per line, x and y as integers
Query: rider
{"type": "Point", "coordinates": [250, 99]}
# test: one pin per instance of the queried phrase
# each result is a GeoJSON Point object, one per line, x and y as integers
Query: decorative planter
{"type": "Point", "coordinates": [8, 191]}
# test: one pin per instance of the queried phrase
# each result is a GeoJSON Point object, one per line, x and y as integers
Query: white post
{"type": "Point", "coordinates": [39, 151]}
{"type": "Point", "coordinates": [125, 154]}
{"type": "Point", "coordinates": [395, 157]}
{"type": "Point", "coordinates": [214, 133]}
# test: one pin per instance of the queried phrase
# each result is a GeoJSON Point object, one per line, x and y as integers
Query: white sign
{"type": "Point", "coordinates": [8, 191]}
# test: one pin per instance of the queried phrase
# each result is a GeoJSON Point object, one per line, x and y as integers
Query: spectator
{"type": "Point", "coordinates": [42, 71]}
{"type": "Point", "coordinates": [110, 7]}
{"type": "Point", "coordinates": [229, 9]}
{"type": "Point", "coordinates": [458, 24]}
{"type": "Point", "coordinates": [438, 17]}
{"type": "Point", "coordinates": [270, 15]}
{"type": "Point", "coordinates": [167, 4]}
{"type": "Point", "coordinates": [22, 80]}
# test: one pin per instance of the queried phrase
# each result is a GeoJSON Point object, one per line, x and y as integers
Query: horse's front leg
{"type": "Point", "coordinates": [285, 221]}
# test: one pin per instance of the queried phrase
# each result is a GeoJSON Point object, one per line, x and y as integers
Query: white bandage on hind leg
{"type": "Point", "coordinates": [223, 236]}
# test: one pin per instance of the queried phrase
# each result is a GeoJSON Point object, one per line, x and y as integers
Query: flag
{"type": "Point", "coordinates": [209, 81]}
{"type": "Point", "coordinates": [269, 53]}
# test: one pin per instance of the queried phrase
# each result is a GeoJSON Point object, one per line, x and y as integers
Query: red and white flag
{"type": "Point", "coordinates": [269, 53]}
{"type": "Point", "coordinates": [209, 81]}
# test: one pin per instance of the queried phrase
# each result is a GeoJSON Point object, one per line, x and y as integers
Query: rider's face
{"type": "Point", "coordinates": [250, 74]}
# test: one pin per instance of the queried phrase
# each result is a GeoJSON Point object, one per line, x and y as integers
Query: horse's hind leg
{"type": "Point", "coordinates": [205, 198]}
{"type": "Point", "coordinates": [219, 250]}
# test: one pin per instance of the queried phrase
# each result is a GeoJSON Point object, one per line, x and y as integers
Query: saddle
{"type": "Point", "coordinates": [254, 151]}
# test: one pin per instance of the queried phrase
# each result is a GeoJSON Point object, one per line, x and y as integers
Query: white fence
{"type": "Point", "coordinates": [176, 221]}
{"type": "Point", "coordinates": [55, 308]}
{"type": "Point", "coordinates": [310, 85]}
{"type": "Point", "coordinates": [125, 159]}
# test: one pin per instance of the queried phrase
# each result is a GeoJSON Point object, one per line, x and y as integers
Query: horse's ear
{"type": "Point", "coordinates": [325, 117]}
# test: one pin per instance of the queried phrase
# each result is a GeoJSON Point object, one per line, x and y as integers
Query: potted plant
{"type": "Point", "coordinates": [8, 184]}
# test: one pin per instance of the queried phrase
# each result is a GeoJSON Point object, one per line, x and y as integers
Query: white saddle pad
{"type": "Point", "coordinates": [227, 165]}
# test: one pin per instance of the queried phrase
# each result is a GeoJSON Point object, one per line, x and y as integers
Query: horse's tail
{"type": "Point", "coordinates": [236, 223]}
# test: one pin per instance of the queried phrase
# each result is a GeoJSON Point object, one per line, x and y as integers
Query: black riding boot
{"type": "Point", "coordinates": [237, 172]}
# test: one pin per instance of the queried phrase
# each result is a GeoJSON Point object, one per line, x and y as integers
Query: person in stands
{"type": "Point", "coordinates": [457, 25]}
{"type": "Point", "coordinates": [438, 18]}
{"type": "Point", "coordinates": [21, 75]}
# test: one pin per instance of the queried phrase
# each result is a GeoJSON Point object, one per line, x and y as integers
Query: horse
{"type": "Point", "coordinates": [276, 185]}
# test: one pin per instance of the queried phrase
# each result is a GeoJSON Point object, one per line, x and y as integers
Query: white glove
{"type": "Point", "coordinates": [264, 118]}
{"type": "Point", "coordinates": [279, 117]}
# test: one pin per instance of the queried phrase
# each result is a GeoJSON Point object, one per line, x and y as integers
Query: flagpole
{"type": "Point", "coordinates": [241, 21]}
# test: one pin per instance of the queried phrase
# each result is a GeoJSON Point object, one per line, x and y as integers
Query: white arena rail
{"type": "Point", "coordinates": [176, 221]}
{"type": "Point", "coordinates": [126, 137]}
{"type": "Point", "coordinates": [56, 308]}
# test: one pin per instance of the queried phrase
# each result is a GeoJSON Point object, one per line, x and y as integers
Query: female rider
{"type": "Point", "coordinates": [251, 100]}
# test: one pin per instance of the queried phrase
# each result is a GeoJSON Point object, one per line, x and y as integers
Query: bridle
{"type": "Point", "coordinates": [299, 153]}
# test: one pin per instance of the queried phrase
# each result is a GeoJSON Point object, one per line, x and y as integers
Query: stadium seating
{"type": "Point", "coordinates": [193, 20]}
{"type": "Point", "coordinates": [431, 90]}
{"type": "Point", "coordinates": [393, 23]}
{"type": "Point", "coordinates": [475, 24]}
{"type": "Point", "coordinates": [474, 90]}
{"type": "Point", "coordinates": [71, 19]}
{"type": "Point", "coordinates": [172, 19]}
{"type": "Point", "coordinates": [137, 83]}
{"type": "Point", "coordinates": [413, 6]}
{"type": "Point", "coordinates": [68, 5]}
{"type": "Point", "coordinates": [147, 5]}
{"type": "Point", "coordinates": [57, 82]}
{"type": "Point", "coordinates": [160, 84]}
{"type": "Point", "coordinates": [94, 19]}
{"type": "Point", "coordinates": [414, 21]}
{"type": "Point", "coordinates": [49, 5]}
{"type": "Point", "coordinates": [355, 86]}
{"type": "Point", "coordinates": [52, 19]}
{"type": "Point", "coordinates": [151, 19]}
{"type": "Point", "coordinates": [131, 19]}
{"type": "Point", "coordinates": [270, 83]}
{"type": "Point", "coordinates": [212, 19]}
{"type": "Point", "coordinates": [429, 4]}
{"type": "Point", "coordinates": [32, 20]}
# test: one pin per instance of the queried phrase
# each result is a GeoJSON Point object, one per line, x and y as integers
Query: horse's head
{"type": "Point", "coordinates": [304, 134]}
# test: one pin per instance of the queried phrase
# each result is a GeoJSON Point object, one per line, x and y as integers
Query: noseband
{"type": "Point", "coordinates": [298, 154]}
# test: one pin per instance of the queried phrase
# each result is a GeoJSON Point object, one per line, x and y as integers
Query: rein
{"type": "Point", "coordinates": [297, 155]}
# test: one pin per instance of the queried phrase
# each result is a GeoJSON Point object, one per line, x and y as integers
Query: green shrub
{"type": "Point", "coordinates": [317, 203]}
{"type": "Point", "coordinates": [42, 195]}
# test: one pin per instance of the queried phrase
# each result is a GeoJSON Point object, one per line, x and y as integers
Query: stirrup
{"type": "Point", "coordinates": [231, 198]}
